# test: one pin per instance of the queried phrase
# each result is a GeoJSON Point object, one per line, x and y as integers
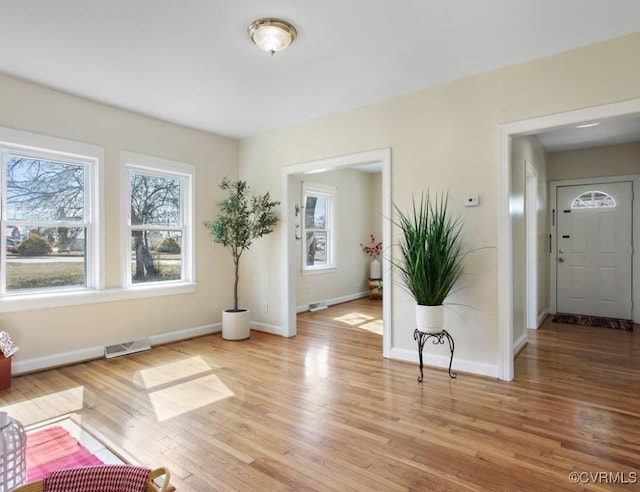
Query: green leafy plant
{"type": "Point", "coordinates": [242, 218]}
{"type": "Point", "coordinates": [431, 249]}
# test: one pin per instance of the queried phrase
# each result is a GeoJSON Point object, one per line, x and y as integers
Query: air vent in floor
{"type": "Point", "coordinates": [126, 348]}
{"type": "Point", "coordinates": [317, 306]}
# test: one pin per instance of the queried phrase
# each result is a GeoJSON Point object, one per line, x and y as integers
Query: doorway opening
{"type": "Point", "coordinates": [505, 231]}
{"type": "Point", "coordinates": [381, 159]}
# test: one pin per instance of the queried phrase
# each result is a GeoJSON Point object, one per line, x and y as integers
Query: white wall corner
{"type": "Point", "coordinates": [541, 317]}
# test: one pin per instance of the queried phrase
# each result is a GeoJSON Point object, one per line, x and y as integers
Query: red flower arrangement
{"type": "Point", "coordinates": [374, 248]}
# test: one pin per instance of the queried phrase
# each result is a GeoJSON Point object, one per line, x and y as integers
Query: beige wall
{"type": "Point", "coordinates": [611, 160]}
{"type": "Point", "coordinates": [42, 333]}
{"type": "Point", "coordinates": [444, 138]}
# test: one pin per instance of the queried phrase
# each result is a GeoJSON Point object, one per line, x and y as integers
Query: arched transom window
{"type": "Point", "coordinates": [594, 199]}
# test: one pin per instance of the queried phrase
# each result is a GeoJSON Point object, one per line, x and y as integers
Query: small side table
{"type": "Point", "coordinates": [438, 338]}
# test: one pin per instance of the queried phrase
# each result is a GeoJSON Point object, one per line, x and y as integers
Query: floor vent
{"type": "Point", "coordinates": [317, 306]}
{"type": "Point", "coordinates": [126, 348]}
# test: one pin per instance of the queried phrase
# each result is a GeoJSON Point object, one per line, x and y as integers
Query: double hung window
{"type": "Point", "coordinates": [49, 202]}
{"type": "Point", "coordinates": [158, 218]}
{"type": "Point", "coordinates": [318, 227]}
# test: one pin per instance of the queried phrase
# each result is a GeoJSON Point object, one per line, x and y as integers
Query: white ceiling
{"type": "Point", "coordinates": [612, 131]}
{"type": "Point", "coordinates": [191, 61]}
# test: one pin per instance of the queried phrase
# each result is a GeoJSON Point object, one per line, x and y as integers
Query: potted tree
{"type": "Point", "coordinates": [242, 218]}
{"type": "Point", "coordinates": [431, 257]}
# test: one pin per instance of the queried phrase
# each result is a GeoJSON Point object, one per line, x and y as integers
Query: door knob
{"type": "Point", "coordinates": [561, 251]}
{"type": "Point", "coordinates": [560, 260]}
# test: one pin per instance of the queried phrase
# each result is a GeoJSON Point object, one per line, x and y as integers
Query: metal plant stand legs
{"type": "Point", "coordinates": [438, 338]}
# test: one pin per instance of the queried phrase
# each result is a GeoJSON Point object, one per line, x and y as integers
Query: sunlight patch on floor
{"type": "Point", "coordinates": [374, 326]}
{"type": "Point", "coordinates": [47, 407]}
{"type": "Point", "coordinates": [362, 321]}
{"type": "Point", "coordinates": [354, 319]}
{"type": "Point", "coordinates": [175, 371]}
{"type": "Point", "coordinates": [181, 398]}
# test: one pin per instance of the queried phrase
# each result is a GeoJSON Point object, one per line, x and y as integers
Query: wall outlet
{"type": "Point", "coordinates": [471, 201]}
{"type": "Point", "coordinates": [265, 308]}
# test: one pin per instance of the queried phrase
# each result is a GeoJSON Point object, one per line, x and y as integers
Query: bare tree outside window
{"type": "Point", "coordinates": [44, 190]}
{"type": "Point", "coordinates": [156, 227]}
{"type": "Point", "coordinates": [45, 217]}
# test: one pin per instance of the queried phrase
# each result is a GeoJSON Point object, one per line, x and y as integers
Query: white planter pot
{"type": "Point", "coordinates": [429, 319]}
{"type": "Point", "coordinates": [375, 270]}
{"type": "Point", "coordinates": [235, 324]}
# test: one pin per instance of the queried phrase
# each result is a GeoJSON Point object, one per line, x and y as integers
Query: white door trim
{"type": "Point", "coordinates": [531, 244]}
{"type": "Point", "coordinates": [504, 233]}
{"type": "Point", "coordinates": [635, 212]}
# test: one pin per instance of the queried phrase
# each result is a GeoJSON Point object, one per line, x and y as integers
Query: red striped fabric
{"type": "Point", "coordinates": [107, 478]}
{"type": "Point", "coordinates": [52, 449]}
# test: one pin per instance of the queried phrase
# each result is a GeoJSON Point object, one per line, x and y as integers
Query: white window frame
{"type": "Point", "coordinates": [91, 157]}
{"type": "Point", "coordinates": [144, 164]}
{"type": "Point", "coordinates": [330, 193]}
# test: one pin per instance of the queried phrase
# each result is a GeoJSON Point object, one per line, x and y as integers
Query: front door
{"type": "Point", "coordinates": [594, 238]}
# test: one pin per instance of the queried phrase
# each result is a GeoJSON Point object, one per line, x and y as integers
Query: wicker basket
{"type": "Point", "coordinates": [13, 453]}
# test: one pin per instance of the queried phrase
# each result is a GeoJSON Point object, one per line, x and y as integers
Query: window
{"type": "Point", "coordinates": [318, 244]}
{"type": "Point", "coordinates": [158, 218]}
{"type": "Point", "coordinates": [49, 214]}
{"type": "Point", "coordinates": [594, 199]}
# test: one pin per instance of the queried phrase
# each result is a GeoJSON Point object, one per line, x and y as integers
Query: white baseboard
{"type": "Point", "coordinates": [275, 330]}
{"type": "Point", "coordinates": [336, 300]}
{"type": "Point", "coordinates": [520, 343]}
{"type": "Point", "coordinates": [442, 362]}
{"type": "Point", "coordinates": [75, 356]}
{"type": "Point", "coordinates": [176, 336]}
{"type": "Point", "coordinates": [56, 360]}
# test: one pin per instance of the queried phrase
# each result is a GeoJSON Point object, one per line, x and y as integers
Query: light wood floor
{"type": "Point", "coordinates": [324, 410]}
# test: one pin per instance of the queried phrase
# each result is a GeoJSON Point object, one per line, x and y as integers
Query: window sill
{"type": "Point", "coordinates": [40, 300]}
{"type": "Point", "coordinates": [319, 271]}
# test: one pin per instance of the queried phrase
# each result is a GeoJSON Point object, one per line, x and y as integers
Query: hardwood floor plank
{"type": "Point", "coordinates": [323, 411]}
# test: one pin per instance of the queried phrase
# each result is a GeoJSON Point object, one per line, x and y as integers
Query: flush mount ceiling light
{"type": "Point", "coordinates": [271, 35]}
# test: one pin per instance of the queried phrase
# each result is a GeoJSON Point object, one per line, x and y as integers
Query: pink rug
{"type": "Point", "coordinates": [52, 449]}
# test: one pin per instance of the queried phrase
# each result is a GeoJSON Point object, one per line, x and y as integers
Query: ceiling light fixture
{"type": "Point", "coordinates": [271, 35]}
{"type": "Point", "coordinates": [587, 125]}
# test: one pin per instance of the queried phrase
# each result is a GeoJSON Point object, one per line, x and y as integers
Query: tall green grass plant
{"type": "Point", "coordinates": [431, 256]}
